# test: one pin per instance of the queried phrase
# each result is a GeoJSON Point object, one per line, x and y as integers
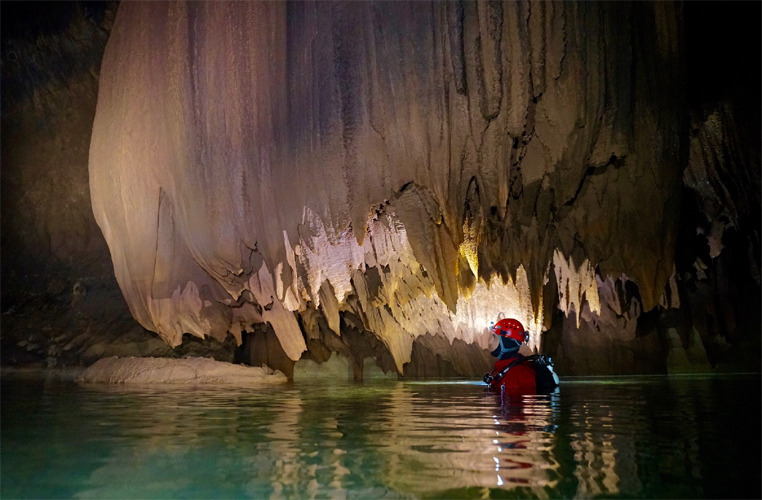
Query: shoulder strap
{"type": "Point", "coordinates": [513, 363]}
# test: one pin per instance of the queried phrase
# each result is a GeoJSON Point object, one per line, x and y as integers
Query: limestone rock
{"type": "Point", "coordinates": [131, 370]}
{"type": "Point", "coordinates": [267, 153]}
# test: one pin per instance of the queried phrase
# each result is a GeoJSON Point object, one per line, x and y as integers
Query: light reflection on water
{"type": "Point", "coordinates": [647, 437]}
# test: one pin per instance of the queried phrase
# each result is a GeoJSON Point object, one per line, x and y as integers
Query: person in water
{"type": "Point", "coordinates": [514, 372]}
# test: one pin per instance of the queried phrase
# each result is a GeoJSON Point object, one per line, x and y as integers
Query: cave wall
{"type": "Point", "coordinates": [58, 288]}
{"type": "Point", "coordinates": [50, 64]}
{"type": "Point", "coordinates": [61, 304]}
{"type": "Point", "coordinates": [384, 179]}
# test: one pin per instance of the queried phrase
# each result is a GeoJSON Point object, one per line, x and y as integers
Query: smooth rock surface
{"type": "Point", "coordinates": [133, 370]}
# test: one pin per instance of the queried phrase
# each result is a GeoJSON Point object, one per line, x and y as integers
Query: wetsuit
{"type": "Point", "coordinates": [520, 378]}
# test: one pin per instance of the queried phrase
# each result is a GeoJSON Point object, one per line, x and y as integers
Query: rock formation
{"type": "Point", "coordinates": [191, 371]}
{"type": "Point", "coordinates": [383, 179]}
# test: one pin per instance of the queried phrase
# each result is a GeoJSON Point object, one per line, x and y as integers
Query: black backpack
{"type": "Point", "coordinates": [545, 377]}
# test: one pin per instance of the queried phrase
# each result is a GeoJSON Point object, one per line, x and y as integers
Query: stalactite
{"type": "Point", "coordinates": [418, 166]}
{"type": "Point", "coordinates": [576, 286]}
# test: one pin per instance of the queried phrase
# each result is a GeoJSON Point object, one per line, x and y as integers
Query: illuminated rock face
{"type": "Point", "coordinates": [383, 179]}
{"type": "Point", "coordinates": [426, 168]}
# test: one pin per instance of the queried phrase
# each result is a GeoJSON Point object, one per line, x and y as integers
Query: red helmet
{"type": "Point", "coordinates": [512, 329]}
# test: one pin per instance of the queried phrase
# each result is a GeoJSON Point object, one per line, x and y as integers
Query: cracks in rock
{"type": "Point", "coordinates": [614, 161]}
{"type": "Point", "coordinates": [489, 58]}
{"type": "Point", "coordinates": [518, 152]}
{"type": "Point", "coordinates": [159, 231]}
{"type": "Point", "coordinates": [252, 251]}
{"type": "Point", "coordinates": [563, 43]}
{"type": "Point", "coordinates": [378, 211]}
{"type": "Point", "coordinates": [455, 16]}
{"type": "Point", "coordinates": [372, 58]}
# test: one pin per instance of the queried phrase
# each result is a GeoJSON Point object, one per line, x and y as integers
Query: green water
{"type": "Point", "coordinates": [654, 437]}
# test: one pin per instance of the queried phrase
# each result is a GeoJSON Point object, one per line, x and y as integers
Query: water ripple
{"type": "Point", "coordinates": [632, 438]}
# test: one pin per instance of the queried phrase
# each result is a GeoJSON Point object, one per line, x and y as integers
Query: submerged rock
{"type": "Point", "coordinates": [176, 371]}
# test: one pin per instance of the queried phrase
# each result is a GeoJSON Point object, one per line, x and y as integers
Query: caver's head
{"type": "Point", "coordinates": [511, 334]}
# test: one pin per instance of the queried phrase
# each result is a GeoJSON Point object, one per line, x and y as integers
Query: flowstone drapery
{"type": "Point", "coordinates": [424, 167]}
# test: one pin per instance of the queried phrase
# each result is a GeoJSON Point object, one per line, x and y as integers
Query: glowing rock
{"type": "Point", "coordinates": [575, 285]}
{"type": "Point", "coordinates": [251, 161]}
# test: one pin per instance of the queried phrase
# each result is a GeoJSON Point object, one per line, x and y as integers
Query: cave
{"type": "Point", "coordinates": [346, 192]}
{"type": "Point", "coordinates": [590, 169]}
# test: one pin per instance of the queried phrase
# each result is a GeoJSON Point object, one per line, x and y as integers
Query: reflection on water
{"type": "Point", "coordinates": [647, 437]}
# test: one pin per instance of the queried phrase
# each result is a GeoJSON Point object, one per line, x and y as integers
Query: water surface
{"type": "Point", "coordinates": [649, 437]}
